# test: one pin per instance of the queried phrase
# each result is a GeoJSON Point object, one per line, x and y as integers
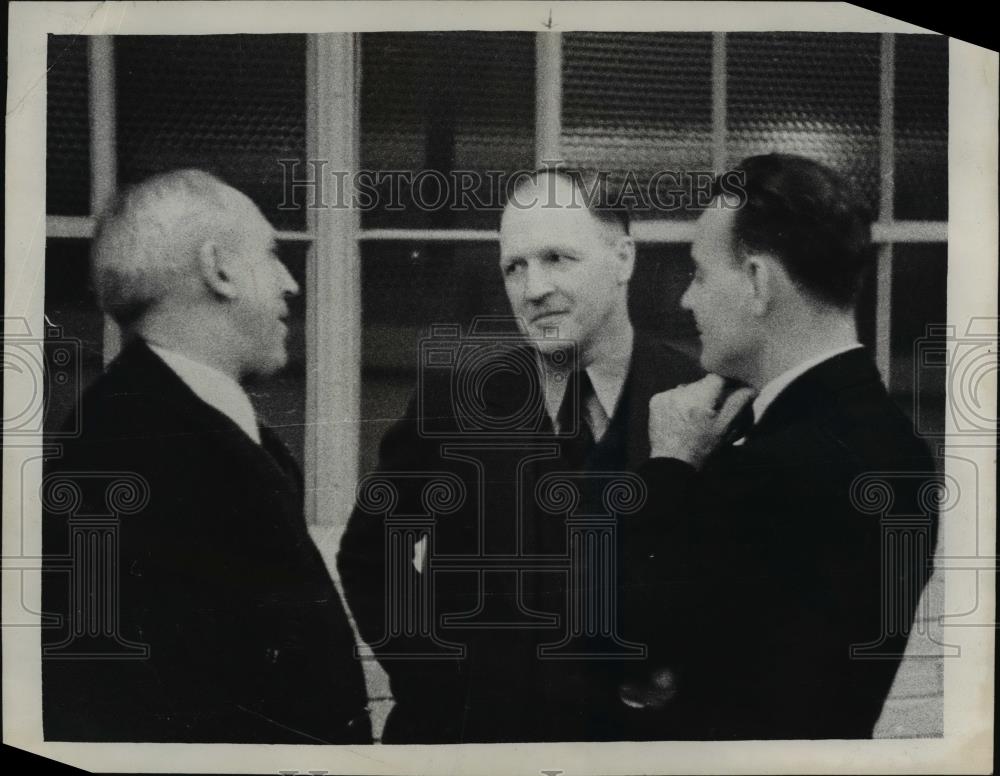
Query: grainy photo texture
{"type": "Point", "coordinates": [453, 387]}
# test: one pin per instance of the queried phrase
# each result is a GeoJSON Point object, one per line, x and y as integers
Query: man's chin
{"type": "Point", "coordinates": [548, 344]}
{"type": "Point", "coordinates": [267, 368]}
{"type": "Point", "coordinates": [720, 368]}
{"type": "Point", "coordinates": [549, 337]}
{"type": "Point", "coordinates": [710, 364]}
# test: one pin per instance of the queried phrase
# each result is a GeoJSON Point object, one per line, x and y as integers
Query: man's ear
{"type": "Point", "coordinates": [214, 270]}
{"type": "Point", "coordinates": [625, 253]}
{"type": "Point", "coordinates": [762, 278]}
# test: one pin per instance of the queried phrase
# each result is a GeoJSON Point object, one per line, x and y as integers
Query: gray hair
{"type": "Point", "coordinates": [146, 240]}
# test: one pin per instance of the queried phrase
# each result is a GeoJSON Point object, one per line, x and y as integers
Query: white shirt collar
{"type": "Point", "coordinates": [213, 387]}
{"type": "Point", "coordinates": [771, 391]}
{"type": "Point", "coordinates": [608, 385]}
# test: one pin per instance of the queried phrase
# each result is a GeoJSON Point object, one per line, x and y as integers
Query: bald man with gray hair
{"type": "Point", "coordinates": [187, 262]}
{"type": "Point", "coordinates": [227, 623]}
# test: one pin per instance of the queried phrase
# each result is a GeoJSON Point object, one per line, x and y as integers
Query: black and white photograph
{"type": "Point", "coordinates": [611, 383]}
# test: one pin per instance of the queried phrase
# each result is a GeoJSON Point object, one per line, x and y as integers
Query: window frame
{"type": "Point", "coordinates": [333, 336]}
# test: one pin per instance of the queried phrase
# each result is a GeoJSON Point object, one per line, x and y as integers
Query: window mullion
{"type": "Point", "coordinates": [333, 283]}
{"type": "Point", "coordinates": [548, 97]}
{"type": "Point", "coordinates": [719, 101]}
{"type": "Point", "coordinates": [883, 277]}
{"type": "Point", "coordinates": [103, 150]}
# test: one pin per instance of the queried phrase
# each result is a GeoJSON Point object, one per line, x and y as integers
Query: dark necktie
{"type": "Point", "coordinates": [572, 418]}
{"type": "Point", "coordinates": [741, 426]}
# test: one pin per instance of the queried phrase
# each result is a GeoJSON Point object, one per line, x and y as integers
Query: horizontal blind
{"type": "Point", "coordinates": [67, 167]}
{"type": "Point", "coordinates": [444, 102]}
{"type": "Point", "coordinates": [921, 127]}
{"type": "Point", "coordinates": [815, 94]}
{"type": "Point", "coordinates": [231, 104]}
{"type": "Point", "coordinates": [637, 104]}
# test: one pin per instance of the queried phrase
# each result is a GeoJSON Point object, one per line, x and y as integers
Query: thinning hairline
{"type": "Point", "coordinates": [604, 215]}
{"type": "Point", "coordinates": [611, 230]}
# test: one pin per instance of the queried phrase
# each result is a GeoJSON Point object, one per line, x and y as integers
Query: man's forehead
{"type": "Point", "coordinates": [532, 209]}
{"type": "Point", "coordinates": [713, 230]}
{"type": "Point", "coordinates": [242, 221]}
{"type": "Point", "coordinates": [716, 220]}
{"type": "Point", "coordinates": [538, 225]}
{"type": "Point", "coordinates": [244, 208]}
{"type": "Point", "coordinates": [549, 197]}
{"type": "Point", "coordinates": [240, 203]}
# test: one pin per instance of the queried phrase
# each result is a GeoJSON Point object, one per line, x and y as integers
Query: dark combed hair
{"type": "Point", "coordinates": [602, 194]}
{"type": "Point", "coordinates": [806, 215]}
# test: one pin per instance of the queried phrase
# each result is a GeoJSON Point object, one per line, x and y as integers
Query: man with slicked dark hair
{"type": "Point", "coordinates": [775, 606]}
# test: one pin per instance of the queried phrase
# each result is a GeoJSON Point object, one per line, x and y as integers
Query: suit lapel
{"type": "Point", "coordinates": [186, 413]}
{"type": "Point", "coordinates": [817, 390]}
{"type": "Point", "coordinates": [654, 368]}
{"type": "Point", "coordinates": [518, 393]}
{"type": "Point", "coordinates": [281, 455]}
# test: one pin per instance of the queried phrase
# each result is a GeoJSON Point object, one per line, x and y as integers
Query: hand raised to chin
{"type": "Point", "coordinates": [689, 422]}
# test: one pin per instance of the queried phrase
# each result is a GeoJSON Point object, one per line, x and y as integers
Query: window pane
{"type": "Point", "coordinates": [444, 102]}
{"type": "Point", "coordinates": [919, 300]}
{"type": "Point", "coordinates": [230, 104]}
{"type": "Point", "coordinates": [70, 305]}
{"type": "Point", "coordinates": [67, 161]}
{"type": "Point", "coordinates": [639, 104]}
{"type": "Point", "coordinates": [407, 287]}
{"type": "Point", "coordinates": [921, 127]}
{"type": "Point", "coordinates": [280, 400]}
{"type": "Point", "coordinates": [815, 94]}
{"type": "Point", "coordinates": [661, 276]}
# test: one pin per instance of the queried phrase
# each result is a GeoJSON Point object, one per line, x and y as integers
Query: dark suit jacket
{"type": "Point", "coordinates": [247, 638]}
{"type": "Point", "coordinates": [765, 568]}
{"type": "Point", "coordinates": [499, 690]}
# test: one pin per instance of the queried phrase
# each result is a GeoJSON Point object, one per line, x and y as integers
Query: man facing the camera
{"type": "Point", "coordinates": [579, 381]}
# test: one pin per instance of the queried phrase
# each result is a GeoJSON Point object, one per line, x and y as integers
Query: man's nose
{"type": "Point", "coordinates": [686, 299]}
{"type": "Point", "coordinates": [288, 285]}
{"type": "Point", "coordinates": [537, 284]}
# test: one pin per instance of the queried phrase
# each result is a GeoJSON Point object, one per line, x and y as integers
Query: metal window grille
{"type": "Point", "coordinates": [237, 103]}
